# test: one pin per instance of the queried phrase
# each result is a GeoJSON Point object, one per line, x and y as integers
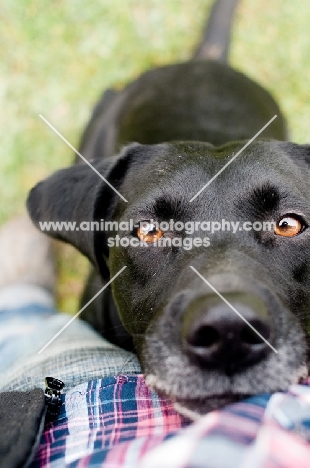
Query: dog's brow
{"type": "Point", "coordinates": [163, 207]}
{"type": "Point", "coordinates": [167, 208]}
{"type": "Point", "coordinates": [263, 199]}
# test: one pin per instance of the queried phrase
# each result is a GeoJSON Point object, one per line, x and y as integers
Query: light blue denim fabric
{"type": "Point", "coordinates": [78, 354]}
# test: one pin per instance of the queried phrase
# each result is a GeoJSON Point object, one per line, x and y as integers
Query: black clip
{"type": "Point", "coordinates": [53, 395]}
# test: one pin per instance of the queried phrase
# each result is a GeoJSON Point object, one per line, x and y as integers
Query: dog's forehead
{"type": "Point", "coordinates": [179, 170]}
{"type": "Point", "coordinates": [198, 160]}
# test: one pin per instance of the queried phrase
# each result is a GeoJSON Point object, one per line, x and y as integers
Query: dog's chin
{"type": "Point", "coordinates": [194, 409]}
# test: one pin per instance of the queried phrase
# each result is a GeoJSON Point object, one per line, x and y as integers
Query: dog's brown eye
{"type": "Point", "coordinates": [289, 226]}
{"type": "Point", "coordinates": [147, 232]}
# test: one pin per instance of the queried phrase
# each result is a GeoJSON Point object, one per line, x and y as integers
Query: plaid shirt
{"type": "Point", "coordinates": [119, 422]}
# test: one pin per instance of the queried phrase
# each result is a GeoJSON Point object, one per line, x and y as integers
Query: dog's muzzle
{"type": "Point", "coordinates": [203, 352]}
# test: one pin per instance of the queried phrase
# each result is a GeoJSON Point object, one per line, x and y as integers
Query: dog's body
{"type": "Point", "coordinates": [188, 120]}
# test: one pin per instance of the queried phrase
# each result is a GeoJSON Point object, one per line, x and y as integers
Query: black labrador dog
{"type": "Point", "coordinates": [218, 310]}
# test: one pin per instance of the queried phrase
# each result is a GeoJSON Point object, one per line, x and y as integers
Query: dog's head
{"type": "Point", "coordinates": [215, 316]}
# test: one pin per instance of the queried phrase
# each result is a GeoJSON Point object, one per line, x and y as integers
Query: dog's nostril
{"type": "Point", "coordinates": [205, 336]}
{"type": "Point", "coordinates": [251, 337]}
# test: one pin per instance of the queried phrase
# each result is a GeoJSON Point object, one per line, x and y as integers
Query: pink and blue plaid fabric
{"type": "Point", "coordinates": [118, 422]}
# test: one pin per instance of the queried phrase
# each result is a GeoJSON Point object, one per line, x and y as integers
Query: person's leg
{"type": "Point", "coordinates": [28, 321]}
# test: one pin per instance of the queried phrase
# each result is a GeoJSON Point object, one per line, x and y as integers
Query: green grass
{"type": "Point", "coordinates": [57, 57]}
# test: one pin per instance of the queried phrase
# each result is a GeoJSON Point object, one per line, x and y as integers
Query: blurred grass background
{"type": "Point", "coordinates": [57, 57]}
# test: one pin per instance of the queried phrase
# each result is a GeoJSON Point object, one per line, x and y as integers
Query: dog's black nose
{"type": "Point", "coordinates": [215, 335]}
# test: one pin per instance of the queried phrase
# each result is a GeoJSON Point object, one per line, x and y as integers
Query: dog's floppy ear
{"type": "Point", "coordinates": [70, 196]}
